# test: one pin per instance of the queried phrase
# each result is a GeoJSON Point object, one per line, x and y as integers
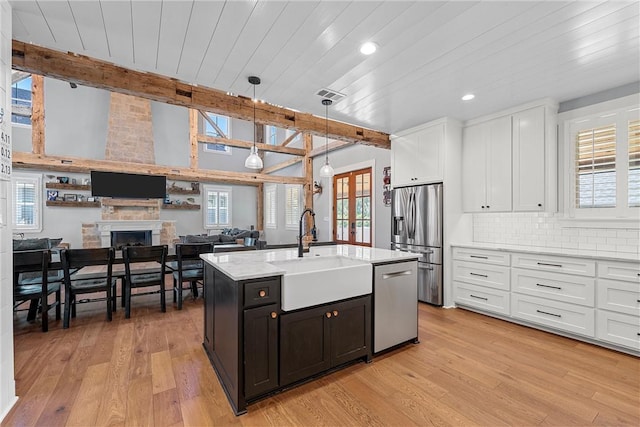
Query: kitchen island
{"type": "Point", "coordinates": [273, 320]}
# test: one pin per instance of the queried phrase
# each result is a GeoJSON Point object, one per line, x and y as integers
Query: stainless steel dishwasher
{"type": "Point", "coordinates": [395, 306]}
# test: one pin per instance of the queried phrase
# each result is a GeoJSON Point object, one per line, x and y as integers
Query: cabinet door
{"type": "Point", "coordinates": [260, 350]}
{"type": "Point", "coordinates": [499, 165]}
{"type": "Point", "coordinates": [208, 309]}
{"type": "Point", "coordinates": [528, 160]}
{"type": "Point", "coordinates": [403, 151]}
{"type": "Point", "coordinates": [474, 168]}
{"type": "Point", "coordinates": [350, 325]}
{"type": "Point", "coordinates": [304, 344]}
{"type": "Point", "coordinates": [428, 161]}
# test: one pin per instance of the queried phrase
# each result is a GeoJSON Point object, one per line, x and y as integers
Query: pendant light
{"type": "Point", "coordinates": [254, 161]}
{"type": "Point", "coordinates": [326, 171]}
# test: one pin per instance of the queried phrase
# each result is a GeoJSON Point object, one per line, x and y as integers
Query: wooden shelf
{"type": "Point", "coordinates": [58, 186]}
{"type": "Point", "coordinates": [68, 204]}
{"type": "Point", "coordinates": [184, 206]}
{"type": "Point", "coordinates": [178, 190]}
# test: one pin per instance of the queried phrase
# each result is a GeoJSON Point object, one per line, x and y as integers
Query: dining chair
{"type": "Point", "coordinates": [73, 260]}
{"type": "Point", "coordinates": [188, 268]}
{"type": "Point", "coordinates": [139, 254]}
{"type": "Point", "coordinates": [32, 281]}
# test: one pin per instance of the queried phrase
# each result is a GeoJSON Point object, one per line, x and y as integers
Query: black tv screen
{"type": "Point", "coordinates": [128, 185]}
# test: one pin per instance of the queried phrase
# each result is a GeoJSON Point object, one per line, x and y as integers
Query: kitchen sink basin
{"type": "Point", "coordinates": [318, 280]}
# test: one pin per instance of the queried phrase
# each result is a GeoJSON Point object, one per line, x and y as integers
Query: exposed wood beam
{"type": "Point", "coordinates": [193, 138]}
{"type": "Point", "coordinates": [260, 207]}
{"type": "Point", "coordinates": [103, 75]}
{"type": "Point", "coordinates": [37, 114]}
{"type": "Point", "coordinates": [291, 138]}
{"type": "Point", "coordinates": [307, 142]}
{"type": "Point", "coordinates": [282, 165]}
{"type": "Point", "coordinates": [75, 164]}
{"type": "Point", "coordinates": [246, 144]}
{"type": "Point", "coordinates": [333, 146]}
{"type": "Point", "coordinates": [212, 123]}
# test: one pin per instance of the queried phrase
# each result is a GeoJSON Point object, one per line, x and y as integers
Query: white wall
{"type": "Point", "coordinates": [7, 382]}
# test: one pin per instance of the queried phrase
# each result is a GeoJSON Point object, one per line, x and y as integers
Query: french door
{"type": "Point", "coordinates": [352, 207]}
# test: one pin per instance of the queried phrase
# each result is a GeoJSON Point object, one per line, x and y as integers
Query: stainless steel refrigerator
{"type": "Point", "coordinates": [416, 226]}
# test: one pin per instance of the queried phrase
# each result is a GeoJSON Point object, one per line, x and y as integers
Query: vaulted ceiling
{"type": "Point", "coordinates": [429, 53]}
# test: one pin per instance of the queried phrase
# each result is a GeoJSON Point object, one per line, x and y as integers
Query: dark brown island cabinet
{"type": "Point", "coordinates": [256, 349]}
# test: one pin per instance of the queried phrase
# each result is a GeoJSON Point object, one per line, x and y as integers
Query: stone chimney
{"type": "Point", "coordinates": [130, 136]}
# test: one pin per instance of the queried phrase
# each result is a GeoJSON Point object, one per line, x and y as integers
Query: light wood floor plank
{"type": "Point", "coordinates": [467, 370]}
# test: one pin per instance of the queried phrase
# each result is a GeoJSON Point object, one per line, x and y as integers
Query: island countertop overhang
{"type": "Point", "coordinates": [256, 264]}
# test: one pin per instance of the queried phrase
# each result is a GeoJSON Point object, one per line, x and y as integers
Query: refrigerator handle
{"type": "Point", "coordinates": [412, 210]}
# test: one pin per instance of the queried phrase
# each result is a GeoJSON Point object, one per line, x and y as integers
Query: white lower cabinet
{"type": "Point", "coordinates": [560, 315]}
{"type": "Point", "coordinates": [617, 328]}
{"type": "Point", "coordinates": [484, 298]}
{"type": "Point", "coordinates": [598, 300]}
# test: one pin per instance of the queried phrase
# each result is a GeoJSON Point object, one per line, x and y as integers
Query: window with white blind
{"type": "Point", "coordinates": [634, 163]}
{"type": "Point", "coordinates": [293, 206]}
{"type": "Point", "coordinates": [27, 202]}
{"type": "Point", "coordinates": [222, 129]}
{"type": "Point", "coordinates": [606, 164]}
{"type": "Point", "coordinates": [217, 212]}
{"type": "Point", "coordinates": [270, 206]}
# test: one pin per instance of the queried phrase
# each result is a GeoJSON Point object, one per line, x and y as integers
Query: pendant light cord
{"type": "Point", "coordinates": [326, 141]}
{"type": "Point", "coordinates": [254, 117]}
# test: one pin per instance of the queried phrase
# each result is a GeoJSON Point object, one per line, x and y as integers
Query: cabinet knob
{"type": "Point", "coordinates": [539, 205]}
{"type": "Point", "coordinates": [482, 207]}
{"type": "Point", "coordinates": [488, 206]}
{"type": "Point", "coordinates": [262, 293]}
{"type": "Point", "coordinates": [328, 314]}
{"type": "Point", "coordinates": [274, 314]}
{"type": "Point", "coordinates": [335, 313]}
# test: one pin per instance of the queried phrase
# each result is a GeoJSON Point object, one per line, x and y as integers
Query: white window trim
{"type": "Point", "coordinates": [593, 116]}
{"type": "Point", "coordinates": [229, 150]}
{"type": "Point", "coordinates": [295, 225]}
{"type": "Point", "coordinates": [37, 180]}
{"type": "Point", "coordinates": [271, 189]}
{"type": "Point", "coordinates": [205, 192]}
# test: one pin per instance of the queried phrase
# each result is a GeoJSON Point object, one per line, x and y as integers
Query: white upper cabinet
{"type": "Point", "coordinates": [509, 161]}
{"type": "Point", "coordinates": [418, 155]}
{"type": "Point", "coordinates": [529, 181]}
{"type": "Point", "coordinates": [486, 166]}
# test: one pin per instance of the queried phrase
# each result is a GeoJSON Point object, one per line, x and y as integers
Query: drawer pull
{"type": "Point", "coordinates": [479, 275]}
{"type": "Point", "coordinates": [477, 297]}
{"type": "Point", "coordinates": [328, 314]}
{"type": "Point", "coordinates": [396, 274]}
{"type": "Point", "coordinates": [478, 256]}
{"type": "Point", "coordinates": [262, 293]}
{"type": "Point", "coordinates": [549, 286]}
{"type": "Point", "coordinates": [335, 313]}
{"type": "Point", "coordinates": [549, 265]}
{"type": "Point", "coordinates": [274, 314]}
{"type": "Point", "coordinates": [550, 314]}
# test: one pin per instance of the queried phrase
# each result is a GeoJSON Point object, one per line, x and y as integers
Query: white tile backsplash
{"type": "Point", "coordinates": [545, 230]}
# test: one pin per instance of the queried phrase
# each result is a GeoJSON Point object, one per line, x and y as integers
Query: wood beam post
{"type": "Point", "coordinates": [92, 72]}
{"type": "Point", "coordinates": [193, 138]}
{"type": "Point", "coordinates": [37, 114]}
{"type": "Point", "coordinates": [282, 165]}
{"type": "Point", "coordinates": [260, 207]}
{"type": "Point", "coordinates": [307, 140]}
{"type": "Point", "coordinates": [291, 138]}
{"type": "Point", "coordinates": [205, 139]}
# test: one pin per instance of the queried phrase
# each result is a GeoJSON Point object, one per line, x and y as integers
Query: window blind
{"type": "Point", "coordinates": [634, 163]}
{"type": "Point", "coordinates": [270, 206]}
{"type": "Point", "coordinates": [218, 205]}
{"type": "Point", "coordinates": [292, 210]}
{"type": "Point", "coordinates": [25, 203]}
{"type": "Point", "coordinates": [596, 167]}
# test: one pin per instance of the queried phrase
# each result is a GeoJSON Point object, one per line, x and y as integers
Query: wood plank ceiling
{"type": "Point", "coordinates": [430, 53]}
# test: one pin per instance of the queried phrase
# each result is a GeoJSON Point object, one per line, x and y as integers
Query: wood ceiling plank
{"type": "Point", "coordinates": [103, 75]}
{"type": "Point", "coordinates": [117, 21]}
{"type": "Point", "coordinates": [88, 16]}
{"type": "Point", "coordinates": [73, 164]}
{"type": "Point", "coordinates": [146, 32]}
{"type": "Point", "coordinates": [173, 30]}
{"type": "Point", "coordinates": [58, 15]}
{"type": "Point", "coordinates": [34, 22]}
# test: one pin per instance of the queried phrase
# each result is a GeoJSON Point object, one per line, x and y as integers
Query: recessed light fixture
{"type": "Point", "coordinates": [368, 48]}
{"type": "Point", "coordinates": [468, 97]}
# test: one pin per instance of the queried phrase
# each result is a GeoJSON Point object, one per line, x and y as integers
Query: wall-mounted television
{"type": "Point", "coordinates": [128, 185]}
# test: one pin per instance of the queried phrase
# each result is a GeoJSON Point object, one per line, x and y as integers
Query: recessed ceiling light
{"type": "Point", "coordinates": [368, 48]}
{"type": "Point", "coordinates": [468, 97]}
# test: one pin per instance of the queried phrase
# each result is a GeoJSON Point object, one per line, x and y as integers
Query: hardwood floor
{"type": "Point", "coordinates": [468, 370]}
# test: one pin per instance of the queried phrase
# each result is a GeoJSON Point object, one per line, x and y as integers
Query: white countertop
{"type": "Point", "coordinates": [539, 250]}
{"type": "Point", "coordinates": [255, 264]}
